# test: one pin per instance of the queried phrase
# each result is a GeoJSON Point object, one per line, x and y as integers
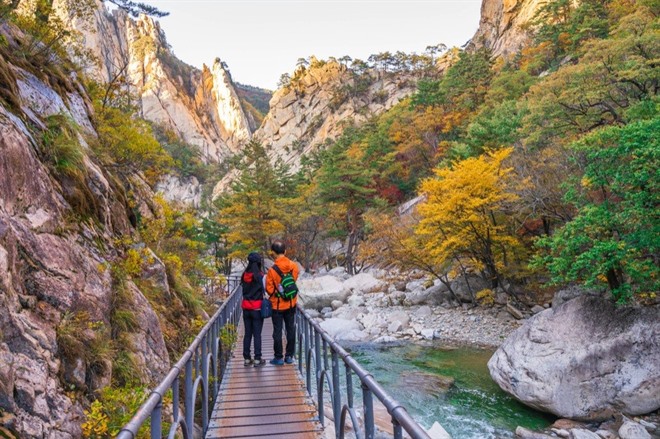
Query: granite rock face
{"type": "Point", "coordinates": [54, 271]}
{"type": "Point", "coordinates": [202, 106]}
{"type": "Point", "coordinates": [502, 27]}
{"type": "Point", "coordinates": [586, 359]}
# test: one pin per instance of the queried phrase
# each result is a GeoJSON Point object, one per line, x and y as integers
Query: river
{"type": "Point", "coordinates": [474, 407]}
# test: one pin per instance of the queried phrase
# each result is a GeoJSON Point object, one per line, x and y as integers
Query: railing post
{"type": "Point", "coordinates": [349, 386]}
{"type": "Point", "coordinates": [188, 395]}
{"type": "Point", "coordinates": [299, 334]}
{"type": "Point", "coordinates": [368, 407]}
{"type": "Point", "coordinates": [336, 390]}
{"type": "Point", "coordinates": [396, 427]}
{"type": "Point", "coordinates": [306, 329]}
{"type": "Point", "coordinates": [175, 400]}
{"type": "Point", "coordinates": [205, 385]}
{"type": "Point", "coordinates": [214, 353]}
{"type": "Point", "coordinates": [156, 420]}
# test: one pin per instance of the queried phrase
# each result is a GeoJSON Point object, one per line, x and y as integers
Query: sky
{"type": "Point", "coordinates": [262, 39]}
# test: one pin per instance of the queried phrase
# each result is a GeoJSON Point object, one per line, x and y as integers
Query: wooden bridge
{"type": "Point", "coordinates": [253, 402]}
{"type": "Point", "coordinates": [263, 401]}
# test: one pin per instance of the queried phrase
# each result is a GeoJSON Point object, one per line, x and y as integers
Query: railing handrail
{"type": "Point", "coordinates": [153, 405]}
{"type": "Point", "coordinates": [400, 416]}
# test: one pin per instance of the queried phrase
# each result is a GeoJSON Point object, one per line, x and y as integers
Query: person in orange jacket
{"type": "Point", "coordinates": [284, 311]}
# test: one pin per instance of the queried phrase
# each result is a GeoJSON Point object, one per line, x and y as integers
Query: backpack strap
{"type": "Point", "coordinates": [277, 270]}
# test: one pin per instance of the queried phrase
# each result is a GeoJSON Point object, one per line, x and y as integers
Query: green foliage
{"type": "Point", "coordinates": [114, 409]}
{"type": "Point", "coordinates": [187, 159]}
{"type": "Point", "coordinates": [615, 237]}
{"type": "Point", "coordinates": [137, 8]}
{"type": "Point", "coordinates": [252, 211]}
{"type": "Point", "coordinates": [228, 335]}
{"type": "Point", "coordinates": [612, 76]}
{"type": "Point", "coordinates": [79, 337]}
{"type": "Point", "coordinates": [563, 26]}
{"type": "Point", "coordinates": [464, 85]}
{"type": "Point", "coordinates": [62, 148]}
{"type": "Point", "coordinates": [128, 145]}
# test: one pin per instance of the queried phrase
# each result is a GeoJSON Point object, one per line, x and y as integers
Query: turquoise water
{"type": "Point", "coordinates": [474, 407]}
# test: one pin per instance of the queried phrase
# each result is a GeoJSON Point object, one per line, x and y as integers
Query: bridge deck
{"type": "Point", "coordinates": [262, 401]}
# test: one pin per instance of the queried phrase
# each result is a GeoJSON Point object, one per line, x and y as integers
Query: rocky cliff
{"type": "Point", "coordinates": [59, 229]}
{"type": "Point", "coordinates": [318, 104]}
{"type": "Point", "coordinates": [320, 100]}
{"type": "Point", "coordinates": [504, 25]}
{"type": "Point", "coordinates": [201, 105]}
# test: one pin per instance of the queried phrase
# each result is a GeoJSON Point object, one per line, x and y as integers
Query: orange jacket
{"type": "Point", "coordinates": [273, 280]}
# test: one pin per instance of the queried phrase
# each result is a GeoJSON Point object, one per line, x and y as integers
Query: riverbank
{"type": "Point", "coordinates": [365, 308]}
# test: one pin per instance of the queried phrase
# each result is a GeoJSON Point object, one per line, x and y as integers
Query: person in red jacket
{"type": "Point", "coordinates": [284, 311]}
{"type": "Point", "coordinates": [252, 282]}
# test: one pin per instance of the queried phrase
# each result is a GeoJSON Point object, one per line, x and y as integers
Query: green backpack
{"type": "Point", "coordinates": [289, 288]}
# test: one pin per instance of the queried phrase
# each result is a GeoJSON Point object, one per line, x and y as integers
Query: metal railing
{"type": "Point", "coordinates": [201, 368]}
{"type": "Point", "coordinates": [313, 345]}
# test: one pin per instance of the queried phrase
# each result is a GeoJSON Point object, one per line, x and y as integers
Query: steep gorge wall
{"type": "Point", "coordinates": [504, 25]}
{"type": "Point", "coordinates": [201, 105]}
{"type": "Point", "coordinates": [55, 266]}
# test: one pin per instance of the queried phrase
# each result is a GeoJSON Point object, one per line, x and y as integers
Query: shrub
{"type": "Point", "coordinates": [61, 146]}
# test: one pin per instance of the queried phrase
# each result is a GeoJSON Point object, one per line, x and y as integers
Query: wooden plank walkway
{"type": "Point", "coordinates": [263, 401]}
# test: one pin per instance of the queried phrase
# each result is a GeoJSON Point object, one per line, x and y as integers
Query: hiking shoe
{"type": "Point", "coordinates": [258, 363]}
{"type": "Point", "coordinates": [288, 360]}
{"type": "Point", "coordinates": [247, 362]}
{"type": "Point", "coordinates": [277, 362]}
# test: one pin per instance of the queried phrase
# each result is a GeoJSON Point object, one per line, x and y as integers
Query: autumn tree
{"type": "Point", "coordinates": [464, 218]}
{"type": "Point", "coordinates": [392, 241]}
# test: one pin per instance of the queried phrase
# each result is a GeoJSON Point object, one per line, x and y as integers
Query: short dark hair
{"type": "Point", "coordinates": [278, 247]}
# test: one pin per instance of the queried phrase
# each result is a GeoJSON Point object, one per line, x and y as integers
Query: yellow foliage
{"type": "Point", "coordinates": [486, 297]}
{"type": "Point", "coordinates": [464, 216]}
{"type": "Point", "coordinates": [96, 423]}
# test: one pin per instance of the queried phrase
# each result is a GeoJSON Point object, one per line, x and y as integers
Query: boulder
{"type": "Point", "coordinates": [515, 312]}
{"type": "Point", "coordinates": [435, 295]}
{"type": "Point", "coordinates": [336, 304]}
{"type": "Point", "coordinates": [352, 335]}
{"type": "Point", "coordinates": [525, 433]}
{"type": "Point", "coordinates": [319, 292]}
{"type": "Point", "coordinates": [586, 359]}
{"type": "Point", "coordinates": [347, 312]}
{"type": "Point", "coordinates": [400, 316]}
{"type": "Point", "coordinates": [570, 293]}
{"type": "Point", "coordinates": [356, 300]}
{"type": "Point", "coordinates": [606, 434]}
{"type": "Point", "coordinates": [633, 430]}
{"type": "Point", "coordinates": [337, 327]}
{"type": "Point", "coordinates": [581, 433]}
{"type": "Point", "coordinates": [425, 382]}
{"type": "Point", "coordinates": [363, 282]}
{"type": "Point", "coordinates": [467, 293]}
{"type": "Point", "coordinates": [428, 333]}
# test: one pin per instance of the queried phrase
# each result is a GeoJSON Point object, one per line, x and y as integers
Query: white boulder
{"type": "Point", "coordinates": [586, 359]}
{"type": "Point", "coordinates": [319, 292]}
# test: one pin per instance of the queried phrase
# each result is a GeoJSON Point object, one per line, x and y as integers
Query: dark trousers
{"type": "Point", "coordinates": [286, 319]}
{"type": "Point", "coordinates": [253, 324]}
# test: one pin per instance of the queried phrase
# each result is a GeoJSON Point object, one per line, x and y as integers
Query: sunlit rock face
{"type": "Point", "coordinates": [503, 25]}
{"type": "Point", "coordinates": [304, 115]}
{"type": "Point", "coordinates": [202, 106]}
{"type": "Point", "coordinates": [313, 110]}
